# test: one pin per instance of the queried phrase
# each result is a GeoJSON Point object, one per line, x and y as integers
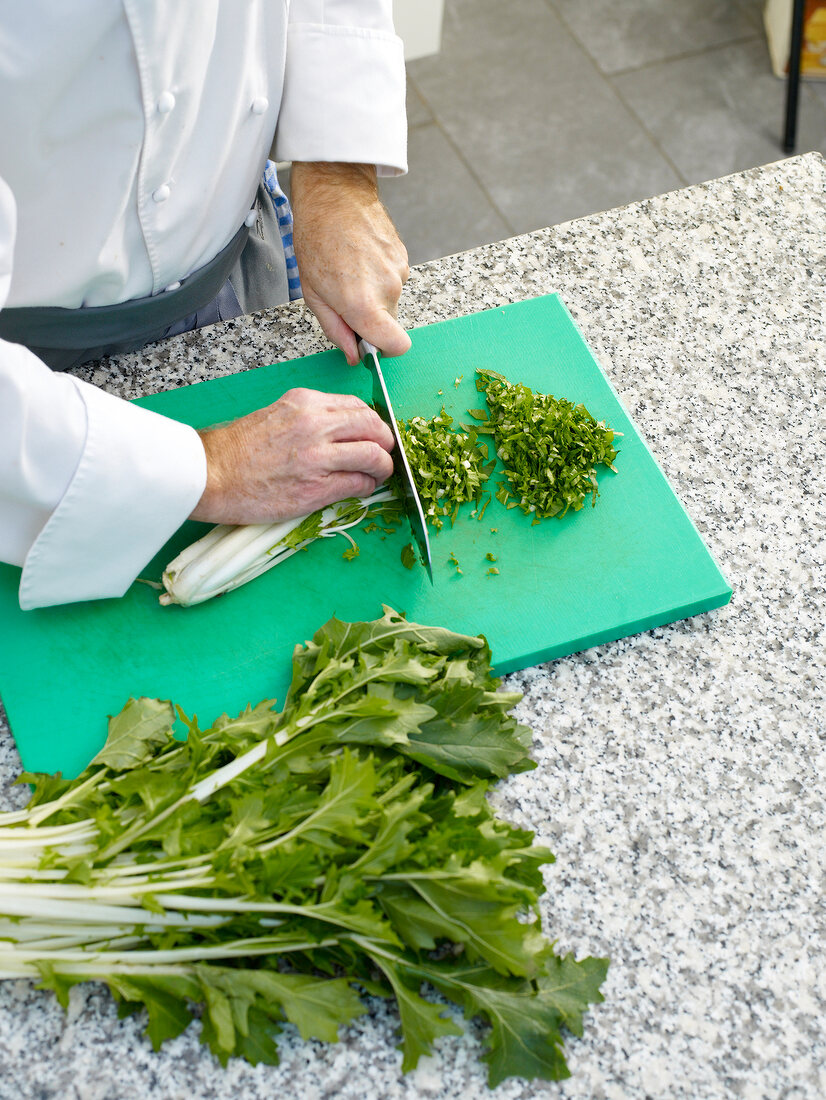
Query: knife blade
{"type": "Point", "coordinates": [412, 504]}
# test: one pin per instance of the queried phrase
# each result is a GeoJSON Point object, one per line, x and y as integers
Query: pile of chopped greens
{"type": "Point", "coordinates": [449, 467]}
{"type": "Point", "coordinates": [282, 865]}
{"type": "Point", "coordinates": [550, 447]}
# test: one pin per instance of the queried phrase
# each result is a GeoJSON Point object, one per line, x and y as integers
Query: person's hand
{"type": "Point", "coordinates": [350, 259]}
{"type": "Point", "coordinates": [303, 452]}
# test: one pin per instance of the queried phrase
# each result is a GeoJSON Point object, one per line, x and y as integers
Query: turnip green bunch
{"type": "Point", "coordinates": [284, 865]}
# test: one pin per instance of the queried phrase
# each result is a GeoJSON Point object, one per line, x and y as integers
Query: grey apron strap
{"type": "Point", "coordinates": [260, 278]}
{"type": "Point", "coordinates": [250, 273]}
{"type": "Point", "coordinates": [65, 337]}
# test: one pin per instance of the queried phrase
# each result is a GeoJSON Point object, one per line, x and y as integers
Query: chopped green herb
{"type": "Point", "coordinates": [408, 556]}
{"type": "Point", "coordinates": [458, 380]}
{"type": "Point", "coordinates": [493, 571]}
{"type": "Point", "coordinates": [550, 447]}
{"type": "Point", "coordinates": [351, 552]}
{"type": "Point", "coordinates": [454, 561]}
{"type": "Point", "coordinates": [490, 557]}
{"type": "Point", "coordinates": [449, 467]}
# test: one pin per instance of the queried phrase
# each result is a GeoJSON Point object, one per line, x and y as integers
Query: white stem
{"type": "Point", "coordinates": [262, 540]}
{"type": "Point", "coordinates": [90, 912]}
{"type": "Point", "coordinates": [222, 776]}
{"type": "Point", "coordinates": [228, 557]}
{"type": "Point", "coordinates": [155, 963]}
{"type": "Point", "coordinates": [73, 891]}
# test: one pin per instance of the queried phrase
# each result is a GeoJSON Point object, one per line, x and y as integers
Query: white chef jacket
{"type": "Point", "coordinates": [132, 138]}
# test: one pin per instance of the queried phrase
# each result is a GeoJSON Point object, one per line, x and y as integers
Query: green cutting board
{"type": "Point", "coordinates": [633, 562]}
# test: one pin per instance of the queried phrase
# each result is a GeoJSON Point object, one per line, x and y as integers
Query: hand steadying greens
{"type": "Point", "coordinates": [280, 865]}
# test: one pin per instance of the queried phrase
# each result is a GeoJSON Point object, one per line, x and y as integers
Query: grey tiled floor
{"type": "Point", "coordinates": [538, 111]}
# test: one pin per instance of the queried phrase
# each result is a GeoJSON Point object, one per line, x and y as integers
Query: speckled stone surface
{"type": "Point", "coordinates": [681, 772]}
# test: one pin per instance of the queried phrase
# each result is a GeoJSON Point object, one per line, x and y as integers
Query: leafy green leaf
{"type": "Point", "coordinates": [571, 986]}
{"type": "Point", "coordinates": [525, 1039]}
{"type": "Point", "coordinates": [422, 1021]}
{"type": "Point", "coordinates": [142, 726]}
{"type": "Point", "coordinates": [317, 1006]}
{"type": "Point", "coordinates": [476, 907]}
{"type": "Point", "coordinates": [165, 999]}
{"type": "Point", "coordinates": [408, 556]}
{"type": "Point", "coordinates": [259, 1044]}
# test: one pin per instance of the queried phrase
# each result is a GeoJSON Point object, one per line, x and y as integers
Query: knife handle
{"type": "Point", "coordinates": [365, 348]}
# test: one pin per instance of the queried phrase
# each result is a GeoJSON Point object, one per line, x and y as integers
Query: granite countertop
{"type": "Point", "coordinates": [680, 779]}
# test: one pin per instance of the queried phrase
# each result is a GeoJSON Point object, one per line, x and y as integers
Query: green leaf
{"type": "Point", "coordinates": [143, 726]}
{"type": "Point", "coordinates": [342, 805]}
{"type": "Point", "coordinates": [164, 997]}
{"type": "Point", "coordinates": [525, 1039]}
{"type": "Point", "coordinates": [390, 843]}
{"type": "Point", "coordinates": [259, 1045]}
{"type": "Point", "coordinates": [408, 556]}
{"type": "Point", "coordinates": [476, 906]}
{"type": "Point", "coordinates": [252, 724]}
{"type": "Point", "coordinates": [571, 986]}
{"type": "Point", "coordinates": [467, 740]}
{"type": "Point", "coordinates": [317, 1006]}
{"type": "Point", "coordinates": [60, 984]}
{"type": "Point", "coordinates": [46, 787]}
{"type": "Point", "coordinates": [422, 1022]}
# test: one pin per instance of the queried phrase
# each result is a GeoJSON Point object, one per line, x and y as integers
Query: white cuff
{"type": "Point", "coordinates": [138, 479]}
{"type": "Point", "coordinates": [343, 98]}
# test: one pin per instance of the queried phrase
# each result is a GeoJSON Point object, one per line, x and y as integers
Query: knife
{"type": "Point", "coordinates": [412, 505]}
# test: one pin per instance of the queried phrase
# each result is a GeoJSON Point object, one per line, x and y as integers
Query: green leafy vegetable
{"type": "Point", "coordinates": [276, 866]}
{"type": "Point", "coordinates": [550, 447]}
{"type": "Point", "coordinates": [449, 467]}
{"type": "Point", "coordinates": [408, 556]}
{"type": "Point", "coordinates": [228, 556]}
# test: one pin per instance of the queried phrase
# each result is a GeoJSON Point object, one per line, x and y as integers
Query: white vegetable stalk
{"type": "Point", "coordinates": [227, 556]}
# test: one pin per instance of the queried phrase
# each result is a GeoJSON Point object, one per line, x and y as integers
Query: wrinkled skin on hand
{"type": "Point", "coordinates": [350, 259]}
{"type": "Point", "coordinates": [303, 452]}
{"type": "Point", "coordinates": [309, 449]}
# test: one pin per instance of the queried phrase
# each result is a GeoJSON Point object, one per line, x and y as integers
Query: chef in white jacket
{"type": "Point", "coordinates": [133, 139]}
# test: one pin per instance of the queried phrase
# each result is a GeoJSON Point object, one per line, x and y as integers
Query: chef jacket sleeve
{"type": "Point", "coordinates": [344, 86]}
{"type": "Point", "coordinates": [91, 486]}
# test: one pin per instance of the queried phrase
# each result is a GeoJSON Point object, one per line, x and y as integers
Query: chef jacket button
{"type": "Point", "coordinates": [174, 286]}
{"type": "Point", "coordinates": [251, 218]}
{"type": "Point", "coordinates": [166, 101]}
{"type": "Point", "coordinates": [260, 104]}
{"type": "Point", "coordinates": [161, 194]}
